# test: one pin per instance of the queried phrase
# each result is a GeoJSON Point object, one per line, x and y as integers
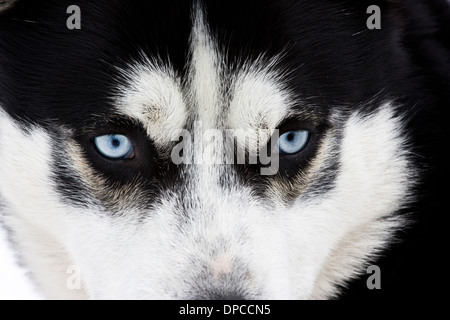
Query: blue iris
{"type": "Point", "coordinates": [293, 142]}
{"type": "Point", "coordinates": [114, 146]}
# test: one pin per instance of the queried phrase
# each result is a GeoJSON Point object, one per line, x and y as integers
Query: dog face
{"type": "Point", "coordinates": [93, 175]}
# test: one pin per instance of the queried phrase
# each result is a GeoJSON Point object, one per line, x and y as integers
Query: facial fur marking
{"type": "Point", "coordinates": [205, 71]}
{"type": "Point", "coordinates": [163, 102]}
{"type": "Point", "coordinates": [152, 94]}
{"type": "Point", "coordinates": [267, 105]}
{"type": "Point", "coordinates": [371, 146]}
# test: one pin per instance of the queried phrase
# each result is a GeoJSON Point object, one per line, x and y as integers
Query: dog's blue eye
{"type": "Point", "coordinates": [114, 146]}
{"type": "Point", "coordinates": [293, 141]}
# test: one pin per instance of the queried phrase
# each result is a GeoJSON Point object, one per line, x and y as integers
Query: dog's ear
{"type": "Point", "coordinates": [6, 4]}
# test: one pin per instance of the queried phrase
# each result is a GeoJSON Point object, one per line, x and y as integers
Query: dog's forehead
{"type": "Point", "coordinates": [232, 60]}
{"type": "Point", "coordinates": [212, 91]}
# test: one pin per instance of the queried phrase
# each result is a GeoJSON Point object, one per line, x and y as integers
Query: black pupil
{"type": "Point", "coordinates": [115, 143]}
{"type": "Point", "coordinates": [290, 137]}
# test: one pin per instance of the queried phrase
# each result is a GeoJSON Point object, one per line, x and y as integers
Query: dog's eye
{"type": "Point", "coordinates": [114, 146]}
{"type": "Point", "coordinates": [293, 142]}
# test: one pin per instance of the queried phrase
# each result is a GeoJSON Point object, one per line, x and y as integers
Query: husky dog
{"type": "Point", "coordinates": [100, 201]}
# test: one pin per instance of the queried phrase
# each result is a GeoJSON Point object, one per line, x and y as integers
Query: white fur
{"type": "Point", "coordinates": [293, 253]}
{"type": "Point", "coordinates": [205, 70]}
{"type": "Point", "coordinates": [299, 252]}
{"type": "Point", "coordinates": [152, 94]}
{"type": "Point", "coordinates": [259, 102]}
{"type": "Point", "coordinates": [32, 207]}
{"type": "Point", "coordinates": [373, 182]}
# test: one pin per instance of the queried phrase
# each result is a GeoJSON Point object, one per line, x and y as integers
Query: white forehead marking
{"type": "Point", "coordinates": [259, 100]}
{"type": "Point", "coordinates": [205, 72]}
{"type": "Point", "coordinates": [153, 95]}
